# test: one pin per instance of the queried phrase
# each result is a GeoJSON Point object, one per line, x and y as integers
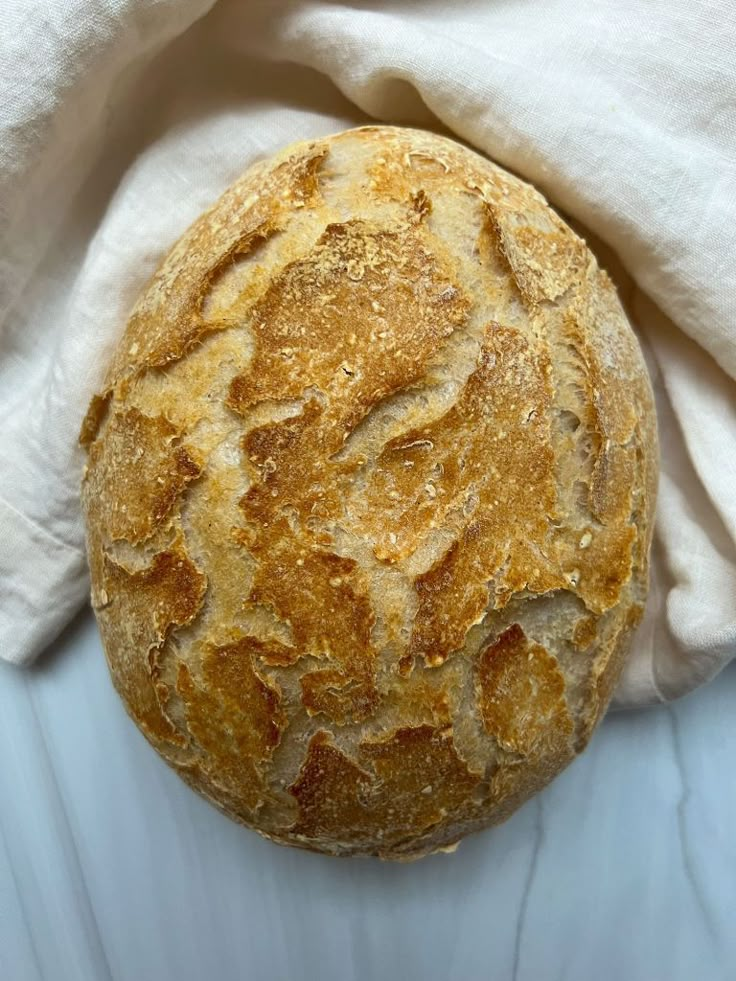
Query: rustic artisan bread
{"type": "Point", "coordinates": [369, 496]}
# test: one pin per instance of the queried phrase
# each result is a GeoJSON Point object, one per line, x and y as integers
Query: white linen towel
{"type": "Point", "coordinates": [121, 120]}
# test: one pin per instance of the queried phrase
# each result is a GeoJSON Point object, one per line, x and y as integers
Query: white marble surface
{"type": "Point", "coordinates": [111, 868]}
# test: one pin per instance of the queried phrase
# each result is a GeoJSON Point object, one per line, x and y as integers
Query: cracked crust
{"type": "Point", "coordinates": [369, 496]}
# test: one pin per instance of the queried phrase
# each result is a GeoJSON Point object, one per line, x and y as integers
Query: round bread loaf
{"type": "Point", "coordinates": [369, 496]}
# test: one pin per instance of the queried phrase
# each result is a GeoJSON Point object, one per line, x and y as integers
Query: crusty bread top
{"type": "Point", "coordinates": [369, 495]}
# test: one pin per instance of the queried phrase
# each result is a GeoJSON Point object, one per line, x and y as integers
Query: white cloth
{"type": "Point", "coordinates": [120, 120]}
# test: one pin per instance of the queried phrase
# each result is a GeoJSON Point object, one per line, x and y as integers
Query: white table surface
{"type": "Point", "coordinates": [111, 868]}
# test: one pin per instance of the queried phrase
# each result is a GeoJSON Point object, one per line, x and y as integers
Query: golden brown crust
{"type": "Point", "coordinates": [398, 789]}
{"type": "Point", "coordinates": [236, 718]}
{"type": "Point", "coordinates": [137, 475]}
{"type": "Point", "coordinates": [139, 609]}
{"type": "Point", "coordinates": [369, 496]}
{"type": "Point", "coordinates": [522, 697]}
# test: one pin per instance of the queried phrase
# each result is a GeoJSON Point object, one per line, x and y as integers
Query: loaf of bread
{"type": "Point", "coordinates": [369, 496]}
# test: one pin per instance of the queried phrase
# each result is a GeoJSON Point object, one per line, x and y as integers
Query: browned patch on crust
{"type": "Point", "coordinates": [448, 606]}
{"type": "Point", "coordinates": [527, 249]}
{"type": "Point", "coordinates": [600, 569]}
{"type": "Point", "coordinates": [585, 632]}
{"type": "Point", "coordinates": [290, 460]}
{"type": "Point", "coordinates": [396, 174]}
{"type": "Point", "coordinates": [96, 412]}
{"type": "Point", "coordinates": [398, 307]}
{"type": "Point", "coordinates": [272, 653]}
{"type": "Point", "coordinates": [324, 598]}
{"type": "Point", "coordinates": [514, 783]}
{"type": "Point", "coordinates": [332, 792]}
{"type": "Point", "coordinates": [612, 419]}
{"type": "Point", "coordinates": [151, 601]}
{"type": "Point", "coordinates": [610, 662]}
{"type": "Point", "coordinates": [413, 779]}
{"type": "Point", "coordinates": [163, 332]}
{"type": "Point", "coordinates": [420, 778]}
{"type": "Point", "coordinates": [341, 696]}
{"type": "Point", "coordinates": [487, 466]}
{"type": "Point", "coordinates": [236, 719]}
{"type": "Point", "coordinates": [135, 475]}
{"type": "Point", "coordinates": [412, 160]}
{"type": "Point", "coordinates": [166, 325]}
{"type": "Point", "coordinates": [599, 573]}
{"type": "Point", "coordinates": [142, 609]}
{"type": "Point", "coordinates": [521, 693]}
{"type": "Point", "coordinates": [168, 320]}
{"type": "Point", "coordinates": [422, 697]}
{"type": "Point", "coordinates": [488, 455]}
{"type": "Point", "coordinates": [613, 480]}
{"type": "Point", "coordinates": [357, 318]}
